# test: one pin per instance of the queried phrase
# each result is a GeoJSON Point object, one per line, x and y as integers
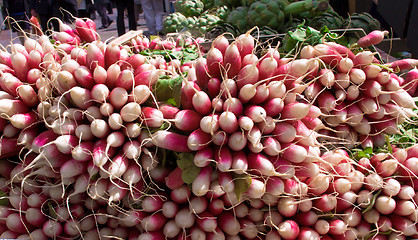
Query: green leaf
{"type": "Point", "coordinates": [370, 206]}
{"type": "Point", "coordinates": [368, 150]}
{"type": "Point", "coordinates": [190, 174]}
{"type": "Point", "coordinates": [52, 213]}
{"type": "Point", "coordinates": [185, 160]}
{"type": "Point", "coordinates": [242, 183]}
{"type": "Point", "coordinates": [168, 89]}
{"type": "Point", "coordinates": [4, 201]}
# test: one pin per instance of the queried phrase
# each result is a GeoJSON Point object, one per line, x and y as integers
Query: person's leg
{"type": "Point", "coordinates": [131, 15]}
{"type": "Point", "coordinates": [159, 13]}
{"type": "Point", "coordinates": [147, 7]}
{"type": "Point", "coordinates": [101, 10]}
{"type": "Point", "coordinates": [120, 21]}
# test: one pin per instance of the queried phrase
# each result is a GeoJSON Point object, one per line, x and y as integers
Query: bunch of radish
{"type": "Point", "coordinates": [360, 98]}
{"type": "Point", "coordinates": [89, 150]}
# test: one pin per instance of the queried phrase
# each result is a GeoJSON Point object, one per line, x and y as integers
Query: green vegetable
{"type": "Point", "coordinates": [266, 13]}
{"type": "Point", "coordinates": [189, 8]}
{"type": "Point", "coordinates": [242, 183]}
{"type": "Point", "coordinates": [168, 89]}
{"type": "Point", "coordinates": [238, 18]}
{"type": "Point", "coordinates": [173, 22]}
{"type": "Point", "coordinates": [363, 20]}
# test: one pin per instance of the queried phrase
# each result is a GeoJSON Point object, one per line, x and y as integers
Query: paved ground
{"type": "Point", "coordinates": [6, 36]}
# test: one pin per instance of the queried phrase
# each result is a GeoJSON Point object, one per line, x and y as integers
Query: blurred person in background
{"type": "Point", "coordinates": [68, 9]}
{"type": "Point", "coordinates": [44, 10]}
{"type": "Point", "coordinates": [18, 12]}
{"type": "Point", "coordinates": [138, 10]}
{"type": "Point", "coordinates": [153, 12]}
{"type": "Point", "coordinates": [121, 6]}
{"type": "Point", "coordinates": [101, 8]}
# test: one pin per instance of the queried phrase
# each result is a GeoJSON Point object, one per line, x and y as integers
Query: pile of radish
{"type": "Point", "coordinates": [257, 147]}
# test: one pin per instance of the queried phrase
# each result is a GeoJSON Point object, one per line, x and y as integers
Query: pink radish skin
{"type": "Point", "coordinates": [228, 122]}
{"type": "Point", "coordinates": [171, 141]}
{"type": "Point", "coordinates": [125, 79]}
{"type": "Point", "coordinates": [223, 158]}
{"type": "Point", "coordinates": [185, 218]}
{"type": "Point", "coordinates": [257, 189]}
{"type": "Point", "coordinates": [210, 123]}
{"type": "Point", "coordinates": [95, 57]}
{"type": "Point", "coordinates": [373, 38]}
{"type": "Point", "coordinates": [198, 140]}
{"type": "Point", "coordinates": [284, 132]}
{"type": "Point", "coordinates": [232, 60]}
{"type": "Point", "coordinates": [288, 229]}
{"type": "Point", "coordinates": [226, 181]}
{"type": "Point", "coordinates": [228, 88]}
{"type": "Point", "coordinates": [153, 222]}
{"type": "Point", "coordinates": [237, 141]}
{"type": "Point", "coordinates": [239, 162]}
{"type": "Point", "coordinates": [213, 86]}
{"type": "Point", "coordinates": [200, 185]}
{"type": "Point", "coordinates": [23, 120]}
{"type": "Point", "coordinates": [207, 222]}
{"type": "Point", "coordinates": [249, 59]}
{"type": "Point", "coordinates": [245, 43]}
{"type": "Point", "coordinates": [85, 32]}
{"type": "Point", "coordinates": [294, 153]}
{"type": "Point", "coordinates": [202, 76]}
{"type": "Point", "coordinates": [84, 77]}
{"type": "Point", "coordinates": [260, 164]}
{"type": "Point", "coordinates": [343, 50]}
{"type": "Point", "coordinates": [52, 228]}
{"type": "Point", "coordinates": [20, 65]}
{"type": "Point", "coordinates": [345, 65]}
{"type": "Point", "coordinates": [363, 58]}
{"type": "Point", "coordinates": [111, 54]}
{"type": "Point", "coordinates": [112, 75]}
{"type": "Point", "coordinates": [267, 67]}
{"type": "Point", "coordinates": [326, 78]}
{"type": "Point", "coordinates": [101, 154]}
{"type": "Point", "coordinates": [174, 180]}
{"type": "Point", "coordinates": [214, 60]}
{"type": "Point", "coordinates": [295, 111]}
{"type": "Point", "coordinates": [249, 74]}
{"type": "Point", "coordinates": [255, 113]}
{"type": "Point", "coordinates": [411, 82]}
{"type": "Point", "coordinates": [187, 120]}
{"type": "Point", "coordinates": [308, 218]}
{"type": "Point", "coordinates": [233, 105]}
{"type": "Point", "coordinates": [202, 103]}
{"type": "Point", "coordinates": [275, 186]}
{"type": "Point", "coordinates": [232, 226]}
{"type": "Point", "coordinates": [152, 117]}
{"type": "Point", "coordinates": [188, 90]}
{"type": "Point", "coordinates": [10, 83]}
{"type": "Point", "coordinates": [262, 94]}
{"type": "Point", "coordinates": [327, 54]}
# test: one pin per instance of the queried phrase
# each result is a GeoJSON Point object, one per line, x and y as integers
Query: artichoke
{"type": "Point", "coordinates": [238, 18]}
{"type": "Point", "coordinates": [173, 22]}
{"type": "Point", "coordinates": [228, 3]}
{"type": "Point", "coordinates": [189, 23]}
{"type": "Point", "coordinates": [332, 21]}
{"type": "Point", "coordinates": [205, 22]}
{"type": "Point", "coordinates": [189, 8]}
{"type": "Point", "coordinates": [266, 13]}
{"type": "Point", "coordinates": [208, 4]}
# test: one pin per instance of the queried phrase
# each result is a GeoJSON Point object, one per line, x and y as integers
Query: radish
{"type": "Point", "coordinates": [288, 229]}
{"type": "Point", "coordinates": [372, 38]}
{"type": "Point", "coordinates": [169, 140]}
{"type": "Point", "coordinates": [232, 60]}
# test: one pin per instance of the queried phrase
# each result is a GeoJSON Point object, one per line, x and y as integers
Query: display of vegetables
{"type": "Point", "coordinates": [160, 140]}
